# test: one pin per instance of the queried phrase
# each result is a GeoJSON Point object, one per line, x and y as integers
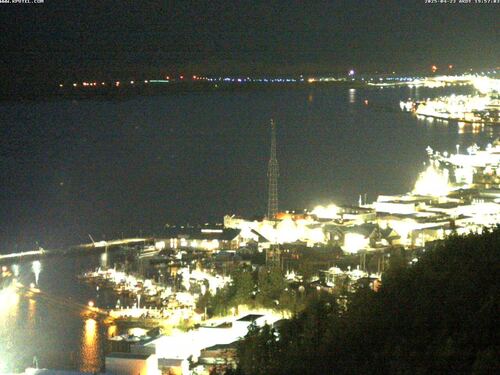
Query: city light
{"type": "Point", "coordinates": [432, 182]}
{"type": "Point", "coordinates": [326, 212]}
{"type": "Point", "coordinates": [479, 108]}
{"type": "Point", "coordinates": [354, 242]}
{"type": "Point", "coordinates": [36, 268]}
{"type": "Point", "coordinates": [486, 85]}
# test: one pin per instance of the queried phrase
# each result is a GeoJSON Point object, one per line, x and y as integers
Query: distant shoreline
{"type": "Point", "coordinates": [36, 93]}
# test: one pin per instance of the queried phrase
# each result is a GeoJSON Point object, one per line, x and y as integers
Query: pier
{"type": "Point", "coordinates": [101, 245]}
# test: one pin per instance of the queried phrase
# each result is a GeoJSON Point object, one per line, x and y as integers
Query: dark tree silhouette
{"type": "Point", "coordinates": [437, 316]}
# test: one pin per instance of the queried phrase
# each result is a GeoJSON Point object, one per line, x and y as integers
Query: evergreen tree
{"type": "Point", "coordinates": [438, 316]}
{"type": "Point", "coordinates": [244, 286]}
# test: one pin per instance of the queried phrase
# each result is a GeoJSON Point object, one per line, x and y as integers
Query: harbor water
{"type": "Point", "coordinates": [112, 166]}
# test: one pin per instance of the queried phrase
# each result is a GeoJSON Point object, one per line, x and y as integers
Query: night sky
{"type": "Point", "coordinates": [72, 167]}
{"type": "Point", "coordinates": [125, 38]}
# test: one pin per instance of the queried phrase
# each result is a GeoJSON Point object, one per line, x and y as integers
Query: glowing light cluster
{"type": "Point", "coordinates": [432, 182]}
{"type": "Point", "coordinates": [354, 242]}
{"type": "Point", "coordinates": [486, 85]}
{"type": "Point", "coordinates": [326, 212]}
{"type": "Point", "coordinates": [460, 107]}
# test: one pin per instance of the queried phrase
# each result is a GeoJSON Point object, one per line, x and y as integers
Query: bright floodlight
{"type": "Point", "coordinates": [486, 85]}
{"type": "Point", "coordinates": [353, 242]}
{"type": "Point", "coordinates": [432, 182]}
{"type": "Point", "coordinates": [326, 212]}
{"type": "Point", "coordinates": [37, 268]}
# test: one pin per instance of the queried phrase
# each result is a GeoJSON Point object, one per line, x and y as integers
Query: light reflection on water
{"type": "Point", "coordinates": [9, 303]}
{"type": "Point", "coordinates": [31, 314]}
{"type": "Point", "coordinates": [112, 331]}
{"type": "Point", "coordinates": [90, 348]}
{"type": "Point", "coordinates": [50, 325]}
{"type": "Point", "coordinates": [352, 96]}
{"type": "Point", "coordinates": [461, 128]}
{"type": "Point", "coordinates": [9, 311]}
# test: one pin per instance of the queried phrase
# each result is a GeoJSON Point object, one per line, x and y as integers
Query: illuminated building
{"type": "Point", "coordinates": [432, 182]}
{"type": "Point", "coordinates": [204, 238]}
{"type": "Point", "coordinates": [199, 344]}
{"type": "Point", "coordinates": [476, 168]}
{"type": "Point", "coordinates": [132, 364]}
{"type": "Point", "coordinates": [218, 357]}
{"type": "Point", "coordinates": [482, 108]}
{"type": "Point", "coordinates": [455, 193]}
{"type": "Point", "coordinates": [285, 230]}
{"type": "Point", "coordinates": [173, 366]}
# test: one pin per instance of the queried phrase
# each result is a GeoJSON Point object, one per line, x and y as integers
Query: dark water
{"type": "Point", "coordinates": [73, 167]}
{"type": "Point", "coordinates": [106, 167]}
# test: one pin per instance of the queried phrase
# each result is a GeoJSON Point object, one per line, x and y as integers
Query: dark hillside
{"type": "Point", "coordinates": [438, 316]}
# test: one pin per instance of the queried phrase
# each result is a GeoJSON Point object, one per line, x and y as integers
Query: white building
{"type": "Point", "coordinates": [131, 364]}
{"type": "Point", "coordinates": [182, 346]}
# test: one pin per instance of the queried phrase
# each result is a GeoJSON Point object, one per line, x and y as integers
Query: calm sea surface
{"type": "Point", "coordinates": [107, 167]}
{"type": "Point", "coordinates": [70, 168]}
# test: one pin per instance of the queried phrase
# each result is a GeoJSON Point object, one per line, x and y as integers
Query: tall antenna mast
{"type": "Point", "coordinates": [272, 174]}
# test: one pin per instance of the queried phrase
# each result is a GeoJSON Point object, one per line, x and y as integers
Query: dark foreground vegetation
{"type": "Point", "coordinates": [438, 316]}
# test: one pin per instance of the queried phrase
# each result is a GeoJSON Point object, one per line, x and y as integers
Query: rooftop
{"type": "Point", "coordinates": [231, 345]}
{"type": "Point", "coordinates": [250, 318]}
{"type": "Point", "coordinates": [32, 371]}
{"type": "Point", "coordinates": [170, 362]}
{"type": "Point", "coordinates": [128, 356]}
{"type": "Point", "coordinates": [201, 233]}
